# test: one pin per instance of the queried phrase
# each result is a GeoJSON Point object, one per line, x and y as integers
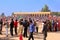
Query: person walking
{"type": "Point", "coordinates": [15, 26]}
{"type": "Point", "coordinates": [31, 30]}
{"type": "Point", "coordinates": [1, 25]}
{"type": "Point", "coordinates": [11, 27]}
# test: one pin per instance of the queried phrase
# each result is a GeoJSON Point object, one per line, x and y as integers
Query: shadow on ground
{"type": "Point", "coordinates": [38, 37]}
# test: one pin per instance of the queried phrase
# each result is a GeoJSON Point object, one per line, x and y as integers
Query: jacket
{"type": "Point", "coordinates": [15, 23]}
{"type": "Point", "coordinates": [31, 27]}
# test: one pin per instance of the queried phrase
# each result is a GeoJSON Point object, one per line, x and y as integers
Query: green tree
{"type": "Point", "coordinates": [45, 9]}
{"type": "Point", "coordinates": [2, 14]}
{"type": "Point", "coordinates": [56, 13]}
{"type": "Point", "coordinates": [13, 13]}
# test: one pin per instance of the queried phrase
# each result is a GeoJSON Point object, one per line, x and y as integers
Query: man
{"type": "Point", "coordinates": [50, 25]}
{"type": "Point", "coordinates": [45, 30]}
{"type": "Point", "coordinates": [31, 29]}
{"type": "Point", "coordinates": [25, 24]}
{"type": "Point", "coordinates": [11, 27]}
{"type": "Point", "coordinates": [36, 25]}
{"type": "Point", "coordinates": [15, 26]}
{"type": "Point", "coordinates": [55, 26]}
{"type": "Point", "coordinates": [1, 24]}
{"type": "Point", "coordinates": [7, 25]}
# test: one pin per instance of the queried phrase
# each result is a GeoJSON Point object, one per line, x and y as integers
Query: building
{"type": "Point", "coordinates": [31, 14]}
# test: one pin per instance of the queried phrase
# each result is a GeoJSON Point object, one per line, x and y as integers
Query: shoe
{"type": "Point", "coordinates": [11, 35]}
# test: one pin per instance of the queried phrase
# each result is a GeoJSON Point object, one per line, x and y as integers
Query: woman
{"type": "Point", "coordinates": [20, 31]}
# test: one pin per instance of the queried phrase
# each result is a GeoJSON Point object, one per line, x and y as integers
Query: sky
{"type": "Point", "coordinates": [10, 6]}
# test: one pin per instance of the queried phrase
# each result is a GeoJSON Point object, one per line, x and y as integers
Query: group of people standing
{"type": "Point", "coordinates": [13, 24]}
{"type": "Point", "coordinates": [50, 26]}
{"type": "Point", "coordinates": [53, 25]}
{"type": "Point", "coordinates": [28, 25]}
{"type": "Point", "coordinates": [25, 25]}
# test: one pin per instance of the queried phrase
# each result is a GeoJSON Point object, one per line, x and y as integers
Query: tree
{"type": "Point", "coordinates": [56, 13]}
{"type": "Point", "coordinates": [13, 13]}
{"type": "Point", "coordinates": [2, 14]}
{"type": "Point", "coordinates": [45, 9]}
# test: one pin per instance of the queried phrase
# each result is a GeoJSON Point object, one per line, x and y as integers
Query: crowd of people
{"type": "Point", "coordinates": [24, 26]}
{"type": "Point", "coordinates": [29, 25]}
{"type": "Point", "coordinates": [53, 25]}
